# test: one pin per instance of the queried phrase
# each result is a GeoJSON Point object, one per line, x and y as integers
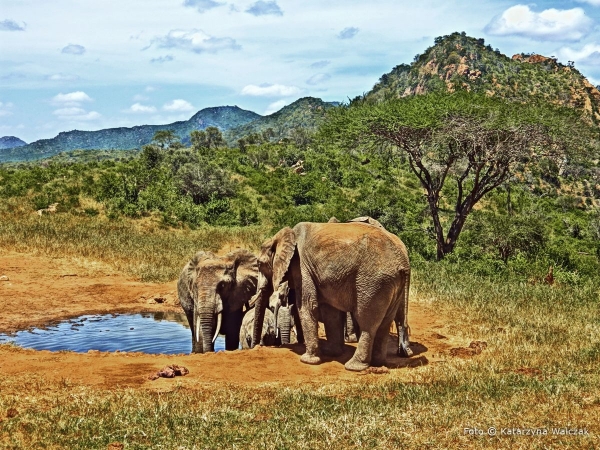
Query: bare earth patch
{"type": "Point", "coordinates": [42, 290]}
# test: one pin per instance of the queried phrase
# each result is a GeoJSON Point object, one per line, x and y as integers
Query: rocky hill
{"type": "Point", "coordinates": [10, 142]}
{"type": "Point", "coordinates": [222, 117]}
{"type": "Point", "coordinates": [458, 61]}
{"type": "Point", "coordinates": [306, 113]}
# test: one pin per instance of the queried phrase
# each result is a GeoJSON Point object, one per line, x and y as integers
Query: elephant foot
{"type": "Point", "coordinates": [310, 359]}
{"type": "Point", "coordinates": [330, 349]}
{"type": "Point", "coordinates": [355, 365]}
{"type": "Point", "coordinates": [404, 351]}
{"type": "Point", "coordinates": [377, 362]}
{"type": "Point", "coordinates": [351, 338]}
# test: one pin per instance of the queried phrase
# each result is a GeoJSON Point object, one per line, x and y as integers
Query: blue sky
{"type": "Point", "coordinates": [74, 64]}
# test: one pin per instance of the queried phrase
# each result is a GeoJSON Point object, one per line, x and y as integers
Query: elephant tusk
{"type": "Point", "coordinates": [197, 329]}
{"type": "Point", "coordinates": [219, 318]}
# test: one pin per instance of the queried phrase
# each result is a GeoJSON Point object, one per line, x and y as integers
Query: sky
{"type": "Point", "coordinates": [77, 64]}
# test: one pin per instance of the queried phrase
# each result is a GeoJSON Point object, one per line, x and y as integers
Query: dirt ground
{"type": "Point", "coordinates": [40, 291]}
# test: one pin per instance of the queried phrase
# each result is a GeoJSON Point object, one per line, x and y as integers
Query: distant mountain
{"type": "Point", "coordinates": [10, 142]}
{"type": "Point", "coordinates": [458, 61]}
{"type": "Point", "coordinates": [222, 117]}
{"type": "Point", "coordinates": [307, 113]}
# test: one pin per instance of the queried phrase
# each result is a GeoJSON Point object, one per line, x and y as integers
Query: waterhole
{"type": "Point", "coordinates": [158, 332]}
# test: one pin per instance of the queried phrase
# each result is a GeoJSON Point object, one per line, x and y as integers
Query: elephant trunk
{"type": "Point", "coordinates": [205, 329]}
{"type": "Point", "coordinates": [285, 324]}
{"type": "Point", "coordinates": [263, 294]}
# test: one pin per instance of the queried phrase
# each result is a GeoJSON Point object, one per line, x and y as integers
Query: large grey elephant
{"type": "Point", "coordinates": [213, 291]}
{"type": "Point", "coordinates": [336, 268]}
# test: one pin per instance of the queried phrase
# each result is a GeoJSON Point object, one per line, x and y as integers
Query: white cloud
{"type": "Point", "coordinates": [262, 8]}
{"type": "Point", "coordinates": [72, 97]}
{"type": "Point", "coordinates": [140, 98]}
{"type": "Point", "coordinates": [271, 90]}
{"type": "Point", "coordinates": [76, 114]}
{"type": "Point", "coordinates": [178, 105]}
{"type": "Point", "coordinates": [62, 77]}
{"type": "Point", "coordinates": [162, 59]}
{"type": "Point", "coordinates": [591, 2]}
{"type": "Point", "coordinates": [73, 49]}
{"type": "Point", "coordinates": [589, 54]}
{"type": "Point", "coordinates": [550, 24]}
{"type": "Point", "coordinates": [202, 5]}
{"type": "Point", "coordinates": [348, 33]}
{"type": "Point", "coordinates": [5, 109]}
{"type": "Point", "coordinates": [196, 41]}
{"type": "Point", "coordinates": [320, 64]}
{"type": "Point", "coordinates": [139, 108]}
{"type": "Point", "coordinates": [11, 25]}
{"type": "Point", "coordinates": [275, 106]}
{"type": "Point", "coordinates": [318, 79]}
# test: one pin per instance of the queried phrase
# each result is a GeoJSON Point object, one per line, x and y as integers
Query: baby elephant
{"type": "Point", "coordinates": [278, 325]}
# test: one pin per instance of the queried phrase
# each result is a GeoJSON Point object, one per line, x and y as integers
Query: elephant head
{"type": "Point", "coordinates": [212, 291]}
{"type": "Point", "coordinates": [273, 262]}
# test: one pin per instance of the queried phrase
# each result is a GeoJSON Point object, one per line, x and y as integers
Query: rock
{"type": "Point", "coordinates": [4, 278]}
{"type": "Point", "coordinates": [171, 371]}
{"type": "Point", "coordinates": [115, 446]}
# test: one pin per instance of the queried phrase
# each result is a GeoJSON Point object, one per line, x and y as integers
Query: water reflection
{"type": "Point", "coordinates": [159, 332]}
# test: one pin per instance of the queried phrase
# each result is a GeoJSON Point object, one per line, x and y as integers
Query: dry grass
{"type": "Point", "coordinates": [144, 249]}
{"type": "Point", "coordinates": [540, 369]}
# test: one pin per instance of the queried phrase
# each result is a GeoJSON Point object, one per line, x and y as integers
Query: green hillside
{"type": "Point", "coordinates": [222, 117]}
{"type": "Point", "coordinates": [306, 114]}
{"type": "Point", "coordinates": [458, 61]}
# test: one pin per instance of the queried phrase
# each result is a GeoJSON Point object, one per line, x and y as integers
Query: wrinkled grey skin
{"type": "Point", "coordinates": [401, 318]}
{"type": "Point", "coordinates": [211, 286]}
{"type": "Point", "coordinates": [268, 335]}
{"type": "Point", "coordinates": [336, 268]}
{"type": "Point", "coordinates": [274, 332]}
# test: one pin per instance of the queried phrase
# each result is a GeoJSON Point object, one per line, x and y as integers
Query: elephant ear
{"type": "Point", "coordinates": [284, 246]}
{"type": "Point", "coordinates": [245, 266]}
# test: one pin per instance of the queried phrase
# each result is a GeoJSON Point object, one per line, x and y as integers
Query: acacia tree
{"type": "Point", "coordinates": [471, 139]}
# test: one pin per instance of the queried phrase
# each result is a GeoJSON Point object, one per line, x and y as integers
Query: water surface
{"type": "Point", "coordinates": [159, 332]}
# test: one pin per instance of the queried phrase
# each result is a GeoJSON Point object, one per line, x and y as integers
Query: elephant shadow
{"type": "Point", "coordinates": [393, 360]}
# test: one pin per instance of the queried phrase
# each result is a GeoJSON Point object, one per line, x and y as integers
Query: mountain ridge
{"type": "Point", "coordinates": [8, 142]}
{"type": "Point", "coordinates": [234, 123]}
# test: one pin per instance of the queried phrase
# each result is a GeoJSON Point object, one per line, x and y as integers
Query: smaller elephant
{"type": "Point", "coordinates": [268, 331]}
{"type": "Point", "coordinates": [278, 325]}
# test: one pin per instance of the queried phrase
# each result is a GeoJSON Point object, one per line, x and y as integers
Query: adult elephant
{"type": "Point", "coordinates": [336, 268]}
{"type": "Point", "coordinates": [213, 291]}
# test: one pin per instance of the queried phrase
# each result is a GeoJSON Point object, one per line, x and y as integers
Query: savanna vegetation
{"type": "Point", "coordinates": [487, 194]}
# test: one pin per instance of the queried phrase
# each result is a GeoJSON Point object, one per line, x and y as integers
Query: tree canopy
{"type": "Point", "coordinates": [472, 139]}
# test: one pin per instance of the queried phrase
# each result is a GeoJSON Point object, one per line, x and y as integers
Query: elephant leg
{"type": "Point", "coordinates": [361, 359]}
{"type": "Point", "coordinates": [296, 315]}
{"type": "Point", "coordinates": [351, 331]}
{"type": "Point", "coordinates": [309, 313]}
{"type": "Point", "coordinates": [381, 340]}
{"type": "Point", "coordinates": [231, 328]}
{"type": "Point", "coordinates": [333, 319]}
